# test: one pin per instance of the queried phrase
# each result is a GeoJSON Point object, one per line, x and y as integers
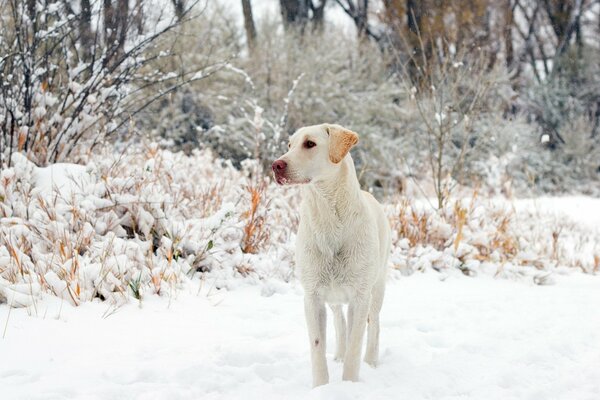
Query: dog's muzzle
{"type": "Point", "coordinates": [279, 171]}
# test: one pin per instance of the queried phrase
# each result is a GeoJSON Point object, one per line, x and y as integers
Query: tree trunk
{"type": "Point", "coordinates": [179, 6]}
{"type": "Point", "coordinates": [507, 33]}
{"type": "Point", "coordinates": [294, 13]}
{"type": "Point", "coordinates": [110, 28]}
{"type": "Point", "coordinates": [122, 23]}
{"type": "Point", "coordinates": [116, 23]}
{"type": "Point", "coordinates": [318, 14]}
{"type": "Point", "coordinates": [139, 16]}
{"type": "Point", "coordinates": [415, 10]}
{"type": "Point", "coordinates": [361, 17]}
{"type": "Point", "coordinates": [85, 30]}
{"type": "Point", "coordinates": [249, 24]}
{"type": "Point", "coordinates": [31, 11]}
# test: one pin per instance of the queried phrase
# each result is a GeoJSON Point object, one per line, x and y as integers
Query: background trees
{"type": "Point", "coordinates": [538, 58]}
{"type": "Point", "coordinates": [488, 91]}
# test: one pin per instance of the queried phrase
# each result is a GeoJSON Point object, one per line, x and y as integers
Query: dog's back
{"type": "Point", "coordinates": [383, 228]}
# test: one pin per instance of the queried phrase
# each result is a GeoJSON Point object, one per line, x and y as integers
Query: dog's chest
{"type": "Point", "coordinates": [331, 253]}
{"type": "Point", "coordinates": [327, 266]}
{"type": "Point", "coordinates": [337, 280]}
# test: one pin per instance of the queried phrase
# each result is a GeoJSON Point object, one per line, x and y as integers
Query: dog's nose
{"type": "Point", "coordinates": [279, 166]}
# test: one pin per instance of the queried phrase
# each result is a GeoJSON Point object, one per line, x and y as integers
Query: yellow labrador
{"type": "Point", "coordinates": [342, 247]}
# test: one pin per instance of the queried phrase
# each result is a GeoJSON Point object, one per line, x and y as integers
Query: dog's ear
{"type": "Point", "coordinates": [341, 141]}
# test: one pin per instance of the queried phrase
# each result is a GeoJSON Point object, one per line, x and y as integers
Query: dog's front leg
{"type": "Point", "coordinates": [358, 309]}
{"type": "Point", "coordinates": [340, 331]}
{"type": "Point", "coordinates": [316, 321]}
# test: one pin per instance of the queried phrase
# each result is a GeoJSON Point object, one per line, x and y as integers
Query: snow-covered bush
{"type": "Point", "coordinates": [139, 222]}
{"type": "Point", "coordinates": [574, 164]}
{"type": "Point", "coordinates": [483, 235]}
{"type": "Point", "coordinates": [570, 92]}
{"type": "Point", "coordinates": [182, 117]}
{"type": "Point", "coordinates": [456, 115]}
{"type": "Point", "coordinates": [248, 108]}
{"type": "Point", "coordinates": [148, 220]}
{"type": "Point", "coordinates": [69, 72]}
{"type": "Point", "coordinates": [564, 152]}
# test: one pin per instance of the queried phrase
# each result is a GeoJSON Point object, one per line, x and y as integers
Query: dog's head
{"type": "Point", "coordinates": [315, 152]}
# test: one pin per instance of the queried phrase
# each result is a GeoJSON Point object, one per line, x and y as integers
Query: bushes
{"type": "Point", "coordinates": [571, 92]}
{"type": "Point", "coordinates": [481, 235]}
{"type": "Point", "coordinates": [146, 221]}
{"type": "Point", "coordinates": [135, 223]}
{"type": "Point", "coordinates": [573, 165]}
{"type": "Point", "coordinates": [287, 82]}
{"type": "Point", "coordinates": [70, 79]}
{"type": "Point", "coordinates": [465, 125]}
{"type": "Point", "coordinates": [248, 109]}
{"type": "Point", "coordinates": [562, 154]}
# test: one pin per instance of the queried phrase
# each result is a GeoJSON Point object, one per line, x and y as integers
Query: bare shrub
{"type": "Point", "coordinates": [455, 112]}
{"type": "Point", "coordinates": [70, 79]}
{"type": "Point", "coordinates": [289, 81]}
{"type": "Point", "coordinates": [573, 164]}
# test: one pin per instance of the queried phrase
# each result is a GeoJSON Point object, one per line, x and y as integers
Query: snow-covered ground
{"type": "Point", "coordinates": [582, 209]}
{"type": "Point", "coordinates": [460, 338]}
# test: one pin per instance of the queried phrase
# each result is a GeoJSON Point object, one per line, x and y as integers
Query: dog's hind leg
{"type": "Point", "coordinates": [339, 321]}
{"type": "Point", "coordinates": [372, 352]}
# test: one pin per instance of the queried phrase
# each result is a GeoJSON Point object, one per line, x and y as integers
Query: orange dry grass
{"type": "Point", "coordinates": [460, 219]}
{"type": "Point", "coordinates": [210, 199]}
{"type": "Point", "coordinates": [244, 270]}
{"type": "Point", "coordinates": [505, 241]}
{"type": "Point", "coordinates": [255, 232]}
{"type": "Point", "coordinates": [418, 226]}
{"type": "Point", "coordinates": [13, 255]}
{"type": "Point", "coordinates": [156, 280]}
{"type": "Point", "coordinates": [410, 224]}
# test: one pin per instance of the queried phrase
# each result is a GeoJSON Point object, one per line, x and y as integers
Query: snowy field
{"type": "Point", "coordinates": [460, 338]}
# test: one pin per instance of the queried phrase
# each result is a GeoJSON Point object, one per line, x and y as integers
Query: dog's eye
{"type": "Point", "coordinates": [309, 144]}
{"type": "Point", "coordinates": [289, 145]}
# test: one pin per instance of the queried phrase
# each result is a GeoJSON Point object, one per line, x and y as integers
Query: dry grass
{"type": "Point", "coordinates": [255, 233]}
{"type": "Point", "coordinates": [472, 231]}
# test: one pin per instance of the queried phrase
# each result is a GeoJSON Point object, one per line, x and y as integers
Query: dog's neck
{"type": "Point", "coordinates": [336, 194]}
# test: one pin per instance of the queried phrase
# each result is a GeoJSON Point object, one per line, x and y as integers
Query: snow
{"type": "Point", "coordinates": [584, 210]}
{"type": "Point", "coordinates": [458, 338]}
{"type": "Point", "coordinates": [63, 178]}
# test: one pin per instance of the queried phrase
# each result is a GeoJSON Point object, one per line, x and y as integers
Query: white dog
{"type": "Point", "coordinates": [342, 248]}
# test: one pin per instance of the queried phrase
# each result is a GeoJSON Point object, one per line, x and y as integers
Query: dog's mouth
{"type": "Point", "coordinates": [283, 180]}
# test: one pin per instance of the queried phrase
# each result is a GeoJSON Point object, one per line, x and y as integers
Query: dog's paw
{"type": "Point", "coordinates": [320, 381]}
{"type": "Point", "coordinates": [339, 358]}
{"type": "Point", "coordinates": [372, 362]}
